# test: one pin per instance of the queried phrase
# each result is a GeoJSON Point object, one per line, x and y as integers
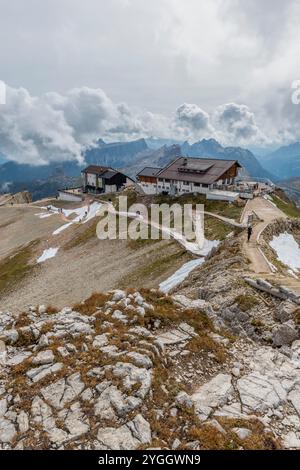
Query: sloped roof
{"type": "Point", "coordinates": [96, 170]}
{"type": "Point", "coordinates": [198, 170]}
{"type": "Point", "coordinates": [104, 172]}
{"type": "Point", "coordinates": [149, 171]}
{"type": "Point", "coordinates": [109, 174]}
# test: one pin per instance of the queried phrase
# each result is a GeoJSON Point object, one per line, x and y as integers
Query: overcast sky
{"type": "Point", "coordinates": [121, 69]}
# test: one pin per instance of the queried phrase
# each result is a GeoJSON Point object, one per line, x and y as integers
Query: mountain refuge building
{"type": "Point", "coordinates": [189, 175]}
{"type": "Point", "coordinates": [100, 179]}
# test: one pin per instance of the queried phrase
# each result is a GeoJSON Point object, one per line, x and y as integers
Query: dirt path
{"type": "Point", "coordinates": [267, 212]}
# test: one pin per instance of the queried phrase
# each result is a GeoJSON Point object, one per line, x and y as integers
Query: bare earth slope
{"type": "Point", "coordinates": [88, 265]}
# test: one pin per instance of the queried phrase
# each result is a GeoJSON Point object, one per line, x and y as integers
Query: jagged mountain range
{"type": "Point", "coordinates": [130, 157]}
{"type": "Point", "coordinates": [283, 162]}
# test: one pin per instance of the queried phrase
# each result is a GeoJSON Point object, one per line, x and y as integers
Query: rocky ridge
{"type": "Point", "coordinates": [128, 370]}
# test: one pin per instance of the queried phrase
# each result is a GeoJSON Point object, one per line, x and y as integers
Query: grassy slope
{"type": "Point", "coordinates": [288, 207]}
{"type": "Point", "coordinates": [15, 267]}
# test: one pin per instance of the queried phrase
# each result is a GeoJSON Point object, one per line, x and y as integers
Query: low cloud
{"type": "Point", "coordinates": [59, 127]}
{"type": "Point", "coordinates": [193, 117]}
{"type": "Point", "coordinates": [237, 124]}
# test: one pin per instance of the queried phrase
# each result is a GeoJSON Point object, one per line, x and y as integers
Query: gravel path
{"type": "Point", "coordinates": [267, 212]}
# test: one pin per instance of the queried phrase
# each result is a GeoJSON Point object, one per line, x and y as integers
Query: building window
{"type": "Point", "coordinates": [197, 185]}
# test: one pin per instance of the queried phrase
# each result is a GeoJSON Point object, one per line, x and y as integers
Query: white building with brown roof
{"type": "Point", "coordinates": [189, 175]}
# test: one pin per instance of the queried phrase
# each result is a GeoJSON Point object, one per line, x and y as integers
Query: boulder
{"type": "Point", "coordinates": [44, 357]}
{"type": "Point", "coordinates": [242, 433]}
{"type": "Point", "coordinates": [118, 295]}
{"type": "Point", "coordinates": [284, 312]}
{"type": "Point", "coordinates": [9, 336]}
{"type": "Point", "coordinates": [140, 359]}
{"type": "Point", "coordinates": [42, 309]}
{"type": "Point", "coordinates": [284, 335]}
{"type": "Point", "coordinates": [184, 400]}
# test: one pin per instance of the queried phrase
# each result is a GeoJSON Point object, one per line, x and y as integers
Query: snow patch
{"type": "Point", "coordinates": [179, 276]}
{"type": "Point", "coordinates": [62, 228]}
{"type": "Point", "coordinates": [83, 215]}
{"type": "Point", "coordinates": [43, 216]}
{"type": "Point", "coordinates": [47, 254]}
{"type": "Point", "coordinates": [287, 250]}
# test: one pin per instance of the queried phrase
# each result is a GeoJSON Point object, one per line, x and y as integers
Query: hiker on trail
{"type": "Point", "coordinates": [249, 232]}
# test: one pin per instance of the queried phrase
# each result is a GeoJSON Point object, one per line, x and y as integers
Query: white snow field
{"type": "Point", "coordinates": [47, 254]}
{"type": "Point", "coordinates": [187, 268]}
{"type": "Point", "coordinates": [180, 275]}
{"type": "Point", "coordinates": [287, 250]}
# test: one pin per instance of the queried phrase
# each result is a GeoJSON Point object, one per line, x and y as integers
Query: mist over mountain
{"type": "Point", "coordinates": [117, 154]}
{"type": "Point", "coordinates": [283, 162]}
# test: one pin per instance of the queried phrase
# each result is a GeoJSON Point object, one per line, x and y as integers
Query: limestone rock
{"type": "Point", "coordinates": [18, 358]}
{"type": "Point", "coordinates": [44, 357]}
{"type": "Point", "coordinates": [213, 394]}
{"type": "Point", "coordinates": [100, 341]}
{"type": "Point", "coordinates": [259, 393]}
{"type": "Point", "coordinates": [294, 397]}
{"type": "Point", "coordinates": [118, 295]}
{"type": "Point", "coordinates": [133, 375]}
{"type": "Point", "coordinates": [127, 437]}
{"type": "Point", "coordinates": [184, 400]}
{"type": "Point", "coordinates": [284, 335]}
{"type": "Point", "coordinates": [284, 312]}
{"type": "Point", "coordinates": [63, 391]}
{"type": "Point", "coordinates": [291, 441]}
{"type": "Point", "coordinates": [7, 431]}
{"type": "Point", "coordinates": [140, 359]}
{"type": "Point", "coordinates": [76, 424]}
{"type": "Point", "coordinates": [118, 315]}
{"type": "Point", "coordinates": [40, 373]}
{"type": "Point", "coordinates": [9, 336]}
{"type": "Point", "coordinates": [23, 422]}
{"type": "Point", "coordinates": [188, 303]}
{"type": "Point", "coordinates": [140, 429]}
{"type": "Point", "coordinates": [111, 402]}
{"type": "Point", "coordinates": [242, 433]}
{"type": "Point", "coordinates": [3, 407]}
